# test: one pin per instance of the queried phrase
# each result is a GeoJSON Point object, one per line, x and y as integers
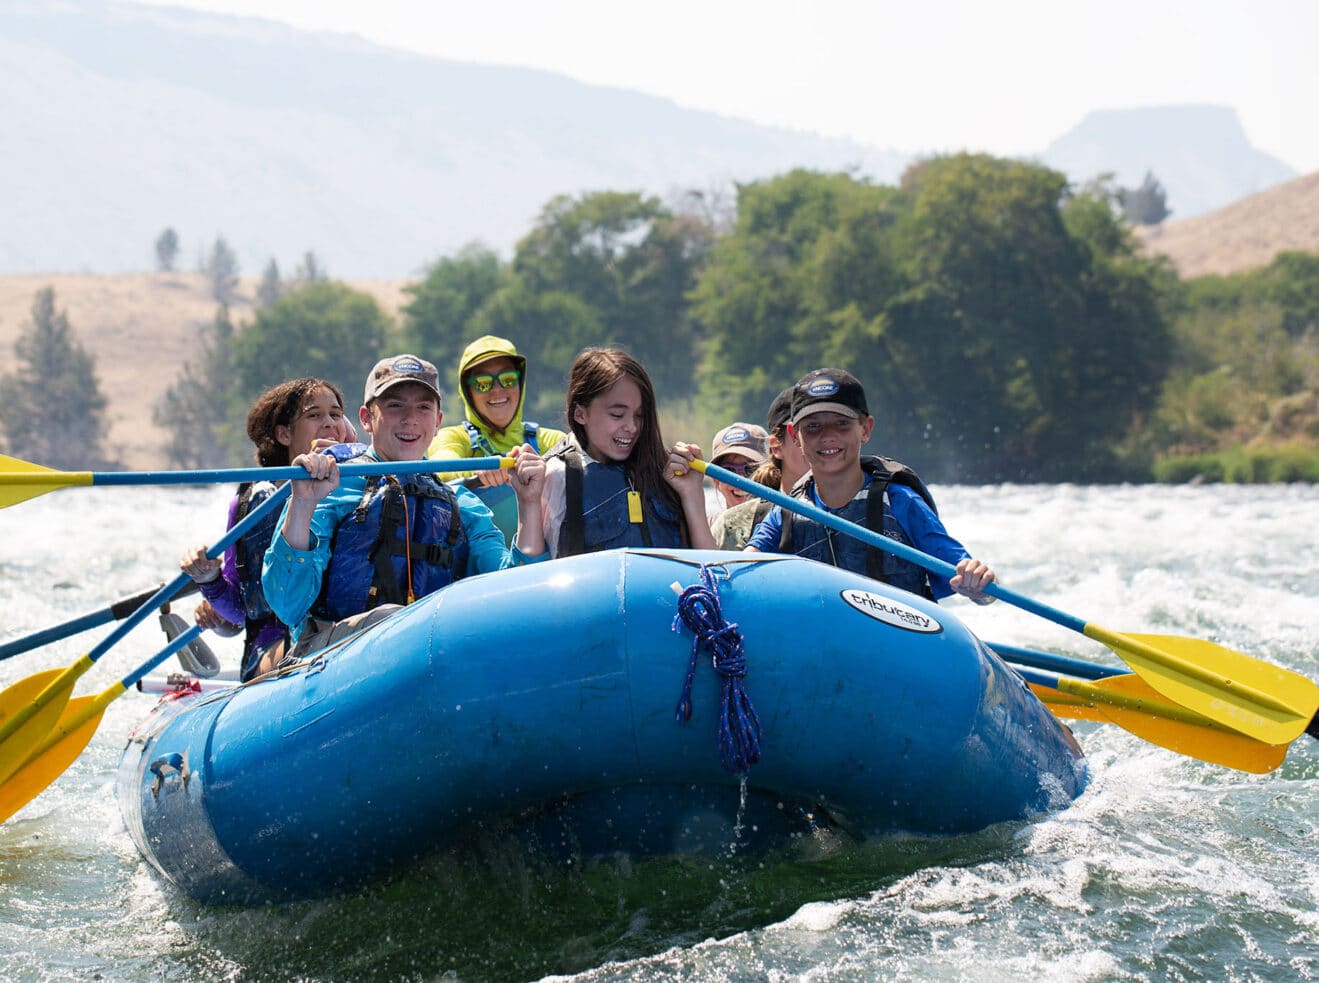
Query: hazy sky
{"type": "Point", "coordinates": [917, 76]}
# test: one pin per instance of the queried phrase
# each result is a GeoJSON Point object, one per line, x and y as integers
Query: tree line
{"type": "Point", "coordinates": [1004, 323]}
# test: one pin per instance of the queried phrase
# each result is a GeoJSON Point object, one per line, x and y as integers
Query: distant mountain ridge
{"type": "Point", "coordinates": [1199, 154]}
{"type": "Point", "coordinates": [137, 118]}
{"type": "Point", "coordinates": [122, 120]}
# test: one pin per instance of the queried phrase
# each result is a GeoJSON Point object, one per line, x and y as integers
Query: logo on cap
{"type": "Point", "coordinates": [406, 364]}
{"type": "Point", "coordinates": [735, 435]}
{"type": "Point", "coordinates": [821, 387]}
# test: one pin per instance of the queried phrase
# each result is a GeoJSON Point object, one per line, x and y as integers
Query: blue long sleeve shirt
{"type": "Point", "coordinates": [291, 577]}
{"type": "Point", "coordinates": [923, 527]}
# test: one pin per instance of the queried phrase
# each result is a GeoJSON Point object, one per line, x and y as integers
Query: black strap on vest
{"type": "Point", "coordinates": [240, 513]}
{"type": "Point", "coordinates": [385, 588]}
{"type": "Point", "coordinates": [883, 471]}
{"type": "Point", "coordinates": [572, 533]}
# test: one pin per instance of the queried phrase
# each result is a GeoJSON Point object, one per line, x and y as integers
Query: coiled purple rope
{"type": "Point", "coordinates": [739, 727]}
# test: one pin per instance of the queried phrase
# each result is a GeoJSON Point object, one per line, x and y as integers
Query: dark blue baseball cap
{"type": "Point", "coordinates": [828, 391]}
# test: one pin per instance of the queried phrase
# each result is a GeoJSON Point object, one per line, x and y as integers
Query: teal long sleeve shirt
{"type": "Point", "coordinates": [291, 578]}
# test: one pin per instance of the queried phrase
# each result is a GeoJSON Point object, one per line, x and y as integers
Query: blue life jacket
{"type": "Point", "coordinates": [870, 508]}
{"type": "Point", "coordinates": [596, 514]}
{"type": "Point", "coordinates": [499, 499]}
{"type": "Point", "coordinates": [414, 517]}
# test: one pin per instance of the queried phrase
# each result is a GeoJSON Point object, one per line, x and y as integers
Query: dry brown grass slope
{"type": "Point", "coordinates": [1244, 235]}
{"type": "Point", "coordinates": [140, 328]}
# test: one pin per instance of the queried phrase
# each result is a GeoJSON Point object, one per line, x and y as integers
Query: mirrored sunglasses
{"type": "Point", "coordinates": [739, 469]}
{"type": "Point", "coordinates": [509, 379]}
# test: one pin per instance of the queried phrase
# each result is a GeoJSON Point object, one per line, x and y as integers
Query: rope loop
{"type": "Point", "coordinates": [739, 728]}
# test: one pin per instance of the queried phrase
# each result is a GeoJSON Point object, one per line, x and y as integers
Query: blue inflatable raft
{"type": "Point", "coordinates": [558, 690]}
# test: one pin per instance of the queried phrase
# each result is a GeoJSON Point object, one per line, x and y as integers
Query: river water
{"type": "Point", "coordinates": [1166, 868]}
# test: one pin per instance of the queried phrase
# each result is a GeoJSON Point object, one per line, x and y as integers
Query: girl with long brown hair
{"type": "Point", "coordinates": [613, 483]}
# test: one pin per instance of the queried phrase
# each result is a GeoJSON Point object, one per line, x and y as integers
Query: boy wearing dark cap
{"type": "Point", "coordinates": [342, 548]}
{"type": "Point", "coordinates": [831, 422]}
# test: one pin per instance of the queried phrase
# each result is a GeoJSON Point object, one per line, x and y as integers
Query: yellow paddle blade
{"type": "Point", "coordinates": [1132, 704]}
{"type": "Point", "coordinates": [28, 720]}
{"type": "Point", "coordinates": [21, 480]}
{"type": "Point", "coordinates": [1245, 694]}
{"type": "Point", "coordinates": [53, 755]}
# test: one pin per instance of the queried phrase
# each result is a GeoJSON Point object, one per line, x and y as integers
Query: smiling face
{"type": "Point", "coordinates": [831, 442]}
{"type": "Point", "coordinates": [497, 406]}
{"type": "Point", "coordinates": [319, 416]}
{"type": "Point", "coordinates": [738, 464]}
{"type": "Point", "coordinates": [402, 422]}
{"type": "Point", "coordinates": [613, 421]}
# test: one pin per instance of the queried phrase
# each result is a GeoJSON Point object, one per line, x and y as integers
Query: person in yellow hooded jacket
{"type": "Point", "coordinates": [492, 380]}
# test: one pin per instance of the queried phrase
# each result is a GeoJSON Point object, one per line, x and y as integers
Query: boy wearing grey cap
{"type": "Point", "coordinates": [342, 548]}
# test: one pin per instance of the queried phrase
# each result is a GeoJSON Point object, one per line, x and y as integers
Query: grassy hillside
{"type": "Point", "coordinates": [1244, 235]}
{"type": "Point", "coordinates": [141, 329]}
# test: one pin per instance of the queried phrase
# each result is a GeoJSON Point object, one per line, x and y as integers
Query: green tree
{"type": "Point", "coordinates": [310, 269]}
{"type": "Point", "coordinates": [270, 288]}
{"type": "Point", "coordinates": [799, 283]}
{"type": "Point", "coordinates": [200, 410]}
{"type": "Point", "coordinates": [632, 262]}
{"type": "Point", "coordinates": [1056, 337]}
{"type": "Point", "coordinates": [1146, 205]}
{"type": "Point", "coordinates": [221, 269]}
{"type": "Point", "coordinates": [52, 410]}
{"type": "Point", "coordinates": [1004, 328]}
{"type": "Point", "coordinates": [437, 321]}
{"type": "Point", "coordinates": [167, 250]}
{"type": "Point", "coordinates": [324, 329]}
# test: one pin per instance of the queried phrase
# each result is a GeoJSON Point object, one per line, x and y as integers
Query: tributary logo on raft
{"type": "Point", "coordinates": [891, 612]}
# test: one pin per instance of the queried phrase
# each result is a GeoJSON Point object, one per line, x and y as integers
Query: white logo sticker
{"type": "Point", "coordinates": [891, 612]}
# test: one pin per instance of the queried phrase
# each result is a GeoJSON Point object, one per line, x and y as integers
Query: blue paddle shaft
{"type": "Point", "coordinates": [239, 530]}
{"type": "Point", "coordinates": [233, 475]}
{"type": "Point", "coordinates": [176, 645]}
{"type": "Point", "coordinates": [1055, 663]}
{"type": "Point", "coordinates": [882, 542]}
{"type": "Point", "coordinates": [112, 612]}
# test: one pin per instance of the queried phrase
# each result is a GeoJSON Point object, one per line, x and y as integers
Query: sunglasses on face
{"type": "Point", "coordinates": [739, 469]}
{"type": "Point", "coordinates": [509, 379]}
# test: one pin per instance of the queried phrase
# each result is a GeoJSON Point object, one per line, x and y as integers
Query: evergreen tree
{"type": "Point", "coordinates": [221, 268]}
{"type": "Point", "coordinates": [167, 250]}
{"type": "Point", "coordinates": [52, 410]}
{"type": "Point", "coordinates": [310, 270]}
{"type": "Point", "coordinates": [200, 410]}
{"type": "Point", "coordinates": [1146, 205]}
{"type": "Point", "coordinates": [271, 289]}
